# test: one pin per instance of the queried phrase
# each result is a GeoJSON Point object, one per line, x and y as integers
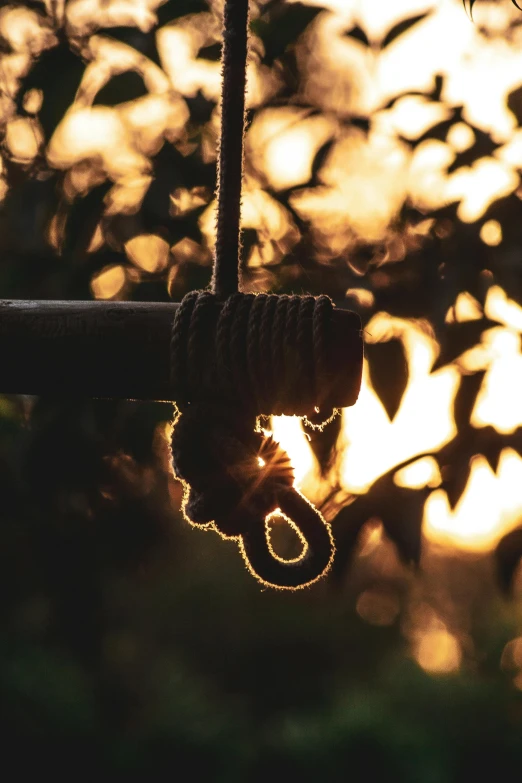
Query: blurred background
{"type": "Point", "coordinates": [383, 160]}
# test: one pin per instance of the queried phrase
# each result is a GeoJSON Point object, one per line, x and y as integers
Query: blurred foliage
{"type": "Point", "coordinates": [132, 644]}
{"type": "Point", "coordinates": [468, 4]}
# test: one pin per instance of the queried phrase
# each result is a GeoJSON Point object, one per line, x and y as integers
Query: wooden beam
{"type": "Point", "coordinates": [121, 349]}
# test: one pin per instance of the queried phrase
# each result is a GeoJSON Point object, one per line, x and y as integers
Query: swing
{"type": "Point", "coordinates": [225, 356]}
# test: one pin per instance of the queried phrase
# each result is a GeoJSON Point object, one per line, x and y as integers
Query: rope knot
{"type": "Point", "coordinates": [232, 470]}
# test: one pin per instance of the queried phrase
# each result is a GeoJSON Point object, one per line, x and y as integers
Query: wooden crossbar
{"type": "Point", "coordinates": [122, 349]}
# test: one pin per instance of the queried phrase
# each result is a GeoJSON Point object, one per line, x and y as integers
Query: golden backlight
{"type": "Point", "coordinates": [349, 207]}
{"type": "Point", "coordinates": [363, 106]}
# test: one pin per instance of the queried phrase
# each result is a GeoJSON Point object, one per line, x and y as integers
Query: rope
{"type": "Point", "coordinates": [225, 280]}
{"type": "Point", "coordinates": [235, 356]}
{"type": "Point", "coordinates": [264, 352]}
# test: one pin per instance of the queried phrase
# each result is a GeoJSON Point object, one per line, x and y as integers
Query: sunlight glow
{"type": "Point", "coordinates": [364, 185]}
{"type": "Point", "coordinates": [466, 308]}
{"type": "Point", "coordinates": [288, 432]}
{"type": "Point", "coordinates": [512, 655]}
{"type": "Point", "coordinates": [109, 282]}
{"type": "Point", "coordinates": [489, 507]}
{"type": "Point", "coordinates": [438, 652]}
{"type": "Point", "coordinates": [478, 186]}
{"type": "Point", "coordinates": [178, 46]}
{"type": "Point", "coordinates": [423, 423]}
{"type": "Point", "coordinates": [137, 13]}
{"type": "Point", "coordinates": [285, 142]}
{"type": "Point", "coordinates": [500, 308]}
{"type": "Point", "coordinates": [491, 233]}
{"type": "Point", "coordinates": [23, 139]}
{"type": "Point", "coordinates": [460, 137]}
{"type": "Point", "coordinates": [422, 473]}
{"type": "Point", "coordinates": [148, 251]}
{"type": "Point", "coordinates": [499, 402]}
{"type": "Point", "coordinates": [378, 607]}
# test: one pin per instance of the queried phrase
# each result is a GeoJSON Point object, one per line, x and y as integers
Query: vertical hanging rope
{"type": "Point", "coordinates": [225, 280]}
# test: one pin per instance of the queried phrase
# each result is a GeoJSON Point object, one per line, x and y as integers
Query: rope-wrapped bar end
{"type": "Point", "coordinates": [273, 354]}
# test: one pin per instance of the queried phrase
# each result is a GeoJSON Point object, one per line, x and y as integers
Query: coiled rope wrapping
{"type": "Point", "coordinates": [262, 352]}
{"type": "Point", "coordinates": [252, 355]}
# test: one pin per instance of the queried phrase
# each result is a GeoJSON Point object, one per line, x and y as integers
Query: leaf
{"type": "Point", "coordinates": [174, 9]}
{"type": "Point", "coordinates": [465, 399]}
{"type": "Point", "coordinates": [282, 26]}
{"type": "Point", "coordinates": [440, 130]}
{"type": "Point", "coordinates": [388, 373]}
{"type": "Point", "coordinates": [400, 510]}
{"type": "Point", "coordinates": [490, 444]}
{"type": "Point", "coordinates": [123, 87]}
{"type": "Point", "coordinates": [455, 457]}
{"type": "Point", "coordinates": [514, 103]}
{"type": "Point", "coordinates": [456, 477]}
{"type": "Point", "coordinates": [143, 42]}
{"type": "Point", "coordinates": [471, 4]}
{"type": "Point", "coordinates": [482, 147]}
{"type": "Point", "coordinates": [390, 103]}
{"type": "Point", "coordinates": [82, 218]}
{"type": "Point", "coordinates": [513, 441]}
{"type": "Point", "coordinates": [200, 108]}
{"type": "Point", "coordinates": [401, 28]}
{"type": "Point", "coordinates": [436, 93]}
{"type": "Point", "coordinates": [172, 170]}
{"type": "Point", "coordinates": [324, 441]}
{"type": "Point", "coordinates": [363, 123]}
{"type": "Point", "coordinates": [319, 160]}
{"type": "Point", "coordinates": [347, 527]}
{"type": "Point", "coordinates": [401, 517]}
{"type": "Point", "coordinates": [458, 338]}
{"type": "Point", "coordinates": [57, 66]}
{"type": "Point", "coordinates": [358, 35]}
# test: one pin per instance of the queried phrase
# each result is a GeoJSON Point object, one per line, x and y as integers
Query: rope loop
{"type": "Point", "coordinates": [235, 477]}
